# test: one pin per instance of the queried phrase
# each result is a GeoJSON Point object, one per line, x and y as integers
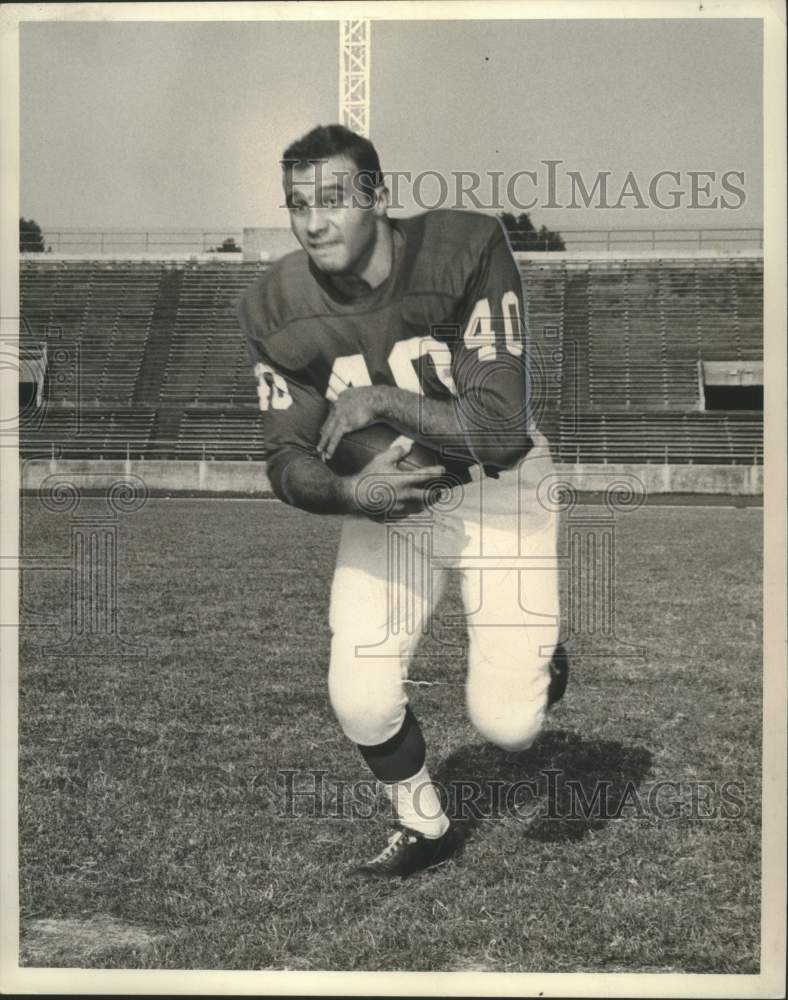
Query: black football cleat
{"type": "Point", "coordinates": [408, 852]}
{"type": "Point", "coordinates": [559, 675]}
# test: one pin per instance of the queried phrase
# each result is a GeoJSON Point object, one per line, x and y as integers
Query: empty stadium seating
{"type": "Point", "coordinates": [208, 362]}
{"type": "Point", "coordinates": [72, 432]}
{"type": "Point", "coordinates": [221, 433]}
{"type": "Point", "coordinates": [665, 438]}
{"type": "Point", "coordinates": [146, 358]}
{"type": "Point", "coordinates": [639, 327]}
{"type": "Point", "coordinates": [95, 321]}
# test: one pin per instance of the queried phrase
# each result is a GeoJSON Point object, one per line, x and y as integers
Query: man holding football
{"type": "Point", "coordinates": [413, 326]}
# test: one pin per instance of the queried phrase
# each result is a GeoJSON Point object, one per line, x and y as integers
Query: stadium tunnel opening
{"type": "Point", "coordinates": [734, 397]}
{"type": "Point", "coordinates": [732, 386]}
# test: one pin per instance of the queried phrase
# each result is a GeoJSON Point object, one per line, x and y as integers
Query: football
{"type": "Point", "coordinates": [358, 448]}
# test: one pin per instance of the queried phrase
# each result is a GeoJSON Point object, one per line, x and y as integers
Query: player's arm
{"type": "Point", "coordinates": [356, 407]}
{"type": "Point", "coordinates": [487, 421]}
{"type": "Point", "coordinates": [489, 360]}
{"type": "Point", "coordinates": [304, 481]}
{"type": "Point", "coordinates": [292, 414]}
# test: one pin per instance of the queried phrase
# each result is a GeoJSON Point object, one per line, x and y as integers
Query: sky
{"type": "Point", "coordinates": [180, 125]}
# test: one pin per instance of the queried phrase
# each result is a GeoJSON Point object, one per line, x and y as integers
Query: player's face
{"type": "Point", "coordinates": [331, 217]}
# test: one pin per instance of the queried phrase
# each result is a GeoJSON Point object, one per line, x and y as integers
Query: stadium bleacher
{"type": "Point", "coordinates": [87, 432]}
{"type": "Point", "coordinates": [632, 333]}
{"type": "Point", "coordinates": [95, 320]}
{"type": "Point", "coordinates": [207, 362]}
{"type": "Point", "coordinates": [665, 438]}
{"type": "Point", "coordinates": [145, 357]}
{"type": "Point", "coordinates": [238, 433]}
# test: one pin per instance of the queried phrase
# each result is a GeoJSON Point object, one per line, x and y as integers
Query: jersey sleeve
{"type": "Point", "coordinates": [489, 359]}
{"type": "Point", "coordinates": [293, 409]}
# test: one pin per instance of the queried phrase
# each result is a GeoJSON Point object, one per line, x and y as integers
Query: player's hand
{"type": "Point", "coordinates": [384, 492]}
{"type": "Point", "coordinates": [356, 407]}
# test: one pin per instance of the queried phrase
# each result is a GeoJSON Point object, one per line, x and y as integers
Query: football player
{"type": "Point", "coordinates": [416, 323]}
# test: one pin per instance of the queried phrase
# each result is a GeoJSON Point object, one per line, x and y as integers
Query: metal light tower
{"type": "Point", "coordinates": [354, 75]}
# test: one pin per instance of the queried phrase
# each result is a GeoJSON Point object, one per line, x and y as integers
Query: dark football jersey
{"type": "Point", "coordinates": [447, 322]}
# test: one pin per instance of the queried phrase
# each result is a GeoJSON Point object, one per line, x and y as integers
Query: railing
{"type": "Point", "coordinates": [118, 242]}
{"type": "Point", "coordinates": [644, 239]}
{"type": "Point", "coordinates": [564, 451]}
{"type": "Point", "coordinates": [658, 453]}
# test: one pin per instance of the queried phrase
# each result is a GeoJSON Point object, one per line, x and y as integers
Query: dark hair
{"type": "Point", "coordinates": [336, 140]}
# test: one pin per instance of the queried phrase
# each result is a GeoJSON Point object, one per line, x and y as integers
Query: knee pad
{"type": "Point", "coordinates": [507, 709]}
{"type": "Point", "coordinates": [366, 694]}
{"type": "Point", "coordinates": [507, 728]}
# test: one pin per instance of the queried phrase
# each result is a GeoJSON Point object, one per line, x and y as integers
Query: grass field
{"type": "Point", "coordinates": [151, 800]}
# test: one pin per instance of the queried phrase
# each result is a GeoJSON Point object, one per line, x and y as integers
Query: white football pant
{"type": "Point", "coordinates": [390, 577]}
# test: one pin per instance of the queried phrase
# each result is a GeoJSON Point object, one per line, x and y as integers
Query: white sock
{"type": "Point", "coordinates": [417, 805]}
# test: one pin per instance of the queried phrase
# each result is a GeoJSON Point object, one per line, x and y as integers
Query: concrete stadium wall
{"type": "Point", "coordinates": [735, 480]}
{"type": "Point", "coordinates": [202, 476]}
{"type": "Point", "coordinates": [250, 477]}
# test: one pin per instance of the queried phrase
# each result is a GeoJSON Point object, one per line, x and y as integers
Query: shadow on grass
{"type": "Point", "coordinates": [560, 788]}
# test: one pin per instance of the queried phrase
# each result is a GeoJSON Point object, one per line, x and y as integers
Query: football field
{"type": "Point", "coordinates": [194, 805]}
